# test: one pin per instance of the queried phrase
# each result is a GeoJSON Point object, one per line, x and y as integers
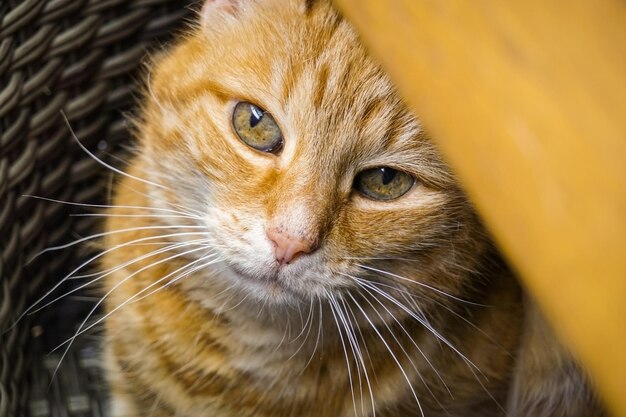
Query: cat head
{"type": "Point", "coordinates": [308, 171]}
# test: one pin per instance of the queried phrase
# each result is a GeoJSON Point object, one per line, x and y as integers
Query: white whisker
{"type": "Point", "coordinates": [353, 349]}
{"type": "Point", "coordinates": [84, 264]}
{"type": "Point", "coordinates": [110, 271]}
{"type": "Point", "coordinates": [104, 164]}
{"type": "Point", "coordinates": [345, 351]}
{"type": "Point", "coordinates": [403, 349]}
{"type": "Point", "coordinates": [421, 284]}
{"type": "Point", "coordinates": [95, 307]}
{"type": "Point", "coordinates": [425, 324]}
{"type": "Point", "coordinates": [319, 335]}
{"type": "Point", "coordinates": [113, 232]}
{"type": "Point", "coordinates": [104, 206]}
{"type": "Point", "coordinates": [133, 299]}
{"type": "Point", "coordinates": [363, 366]}
{"type": "Point", "coordinates": [393, 356]}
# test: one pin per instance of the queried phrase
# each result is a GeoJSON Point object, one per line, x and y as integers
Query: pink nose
{"type": "Point", "coordinates": [287, 247]}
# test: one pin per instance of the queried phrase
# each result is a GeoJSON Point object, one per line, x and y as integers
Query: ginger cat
{"type": "Point", "coordinates": [287, 242]}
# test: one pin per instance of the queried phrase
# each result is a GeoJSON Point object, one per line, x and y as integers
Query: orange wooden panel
{"type": "Point", "coordinates": [527, 100]}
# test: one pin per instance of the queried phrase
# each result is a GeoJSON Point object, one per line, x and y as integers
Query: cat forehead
{"type": "Point", "coordinates": [274, 42]}
{"type": "Point", "coordinates": [311, 70]}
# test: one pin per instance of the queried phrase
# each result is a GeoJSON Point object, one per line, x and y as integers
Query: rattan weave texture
{"type": "Point", "coordinates": [80, 58]}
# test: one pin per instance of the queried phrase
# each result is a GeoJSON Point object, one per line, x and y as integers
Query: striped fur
{"type": "Point", "coordinates": [403, 310]}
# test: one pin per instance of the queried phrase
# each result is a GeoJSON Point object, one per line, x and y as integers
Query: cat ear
{"type": "Point", "coordinates": [216, 10]}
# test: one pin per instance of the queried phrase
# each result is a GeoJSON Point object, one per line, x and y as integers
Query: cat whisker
{"type": "Point", "coordinates": [81, 329]}
{"type": "Point", "coordinates": [361, 359]}
{"type": "Point", "coordinates": [181, 276]}
{"type": "Point", "coordinates": [379, 258]}
{"type": "Point", "coordinates": [319, 335]}
{"type": "Point", "coordinates": [408, 334]}
{"type": "Point", "coordinates": [411, 298]}
{"type": "Point", "coordinates": [105, 206]}
{"type": "Point", "coordinates": [151, 197]}
{"type": "Point", "coordinates": [345, 350]}
{"type": "Point", "coordinates": [99, 255]}
{"type": "Point", "coordinates": [404, 292]}
{"type": "Point", "coordinates": [308, 326]}
{"type": "Point", "coordinates": [426, 325]}
{"type": "Point", "coordinates": [305, 324]}
{"type": "Point", "coordinates": [104, 164]}
{"type": "Point", "coordinates": [149, 216]}
{"type": "Point", "coordinates": [471, 366]}
{"type": "Point", "coordinates": [421, 284]}
{"type": "Point", "coordinates": [230, 295]}
{"type": "Point", "coordinates": [113, 232]}
{"type": "Point", "coordinates": [399, 344]}
{"type": "Point", "coordinates": [164, 243]}
{"type": "Point", "coordinates": [133, 299]}
{"type": "Point", "coordinates": [110, 271]}
{"type": "Point", "coordinates": [245, 297]}
{"type": "Point", "coordinates": [393, 356]}
{"type": "Point", "coordinates": [282, 340]}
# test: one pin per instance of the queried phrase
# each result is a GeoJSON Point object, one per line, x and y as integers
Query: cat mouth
{"type": "Point", "coordinates": [268, 282]}
{"type": "Point", "coordinates": [269, 278]}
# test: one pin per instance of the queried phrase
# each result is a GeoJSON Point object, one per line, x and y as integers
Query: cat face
{"type": "Point", "coordinates": [308, 170]}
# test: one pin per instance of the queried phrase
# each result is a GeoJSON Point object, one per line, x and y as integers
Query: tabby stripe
{"type": "Point", "coordinates": [321, 86]}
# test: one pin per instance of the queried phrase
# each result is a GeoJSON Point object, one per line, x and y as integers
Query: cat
{"type": "Point", "coordinates": [287, 241]}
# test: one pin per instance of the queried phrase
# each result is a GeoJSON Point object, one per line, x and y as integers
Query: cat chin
{"type": "Point", "coordinates": [242, 289]}
{"type": "Point", "coordinates": [270, 289]}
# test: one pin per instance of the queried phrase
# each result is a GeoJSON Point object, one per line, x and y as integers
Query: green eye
{"type": "Point", "coordinates": [257, 128]}
{"type": "Point", "coordinates": [383, 183]}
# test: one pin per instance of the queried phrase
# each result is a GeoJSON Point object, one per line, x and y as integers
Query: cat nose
{"type": "Point", "coordinates": [286, 247]}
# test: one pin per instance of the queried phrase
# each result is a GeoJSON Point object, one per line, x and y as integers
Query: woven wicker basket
{"type": "Point", "coordinates": [80, 58]}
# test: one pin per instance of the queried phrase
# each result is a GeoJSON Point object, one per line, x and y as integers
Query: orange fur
{"type": "Point", "coordinates": [247, 337]}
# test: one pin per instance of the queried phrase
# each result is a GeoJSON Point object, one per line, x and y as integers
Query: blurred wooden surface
{"type": "Point", "coordinates": [527, 100]}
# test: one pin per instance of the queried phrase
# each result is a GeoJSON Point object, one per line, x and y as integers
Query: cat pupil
{"type": "Point", "coordinates": [388, 175]}
{"type": "Point", "coordinates": [255, 116]}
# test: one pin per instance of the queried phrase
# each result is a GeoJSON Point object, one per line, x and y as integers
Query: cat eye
{"type": "Point", "coordinates": [383, 183]}
{"type": "Point", "coordinates": [257, 128]}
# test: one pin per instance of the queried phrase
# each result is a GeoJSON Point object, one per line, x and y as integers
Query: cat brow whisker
{"type": "Point", "coordinates": [104, 164]}
{"type": "Point", "coordinates": [393, 356]}
{"type": "Point", "coordinates": [152, 197]}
